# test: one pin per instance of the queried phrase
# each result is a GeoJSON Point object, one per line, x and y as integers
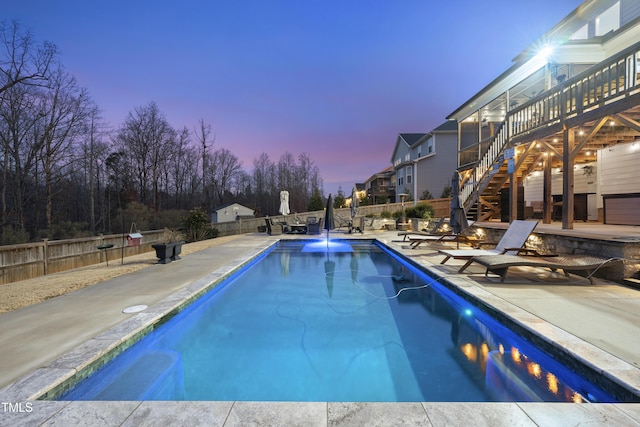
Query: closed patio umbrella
{"type": "Point", "coordinates": [458, 217]}
{"type": "Point", "coordinates": [328, 218]}
{"type": "Point", "coordinates": [284, 203]}
{"type": "Point", "coordinates": [354, 203]}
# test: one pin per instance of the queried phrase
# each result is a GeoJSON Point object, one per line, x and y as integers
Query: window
{"type": "Point", "coordinates": [409, 173]}
{"type": "Point", "coordinates": [581, 34]}
{"type": "Point", "coordinates": [400, 177]}
{"type": "Point", "coordinates": [609, 20]}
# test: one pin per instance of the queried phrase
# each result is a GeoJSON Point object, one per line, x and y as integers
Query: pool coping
{"type": "Point", "coordinates": [58, 374]}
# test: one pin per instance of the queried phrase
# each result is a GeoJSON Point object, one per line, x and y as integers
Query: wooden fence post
{"type": "Point", "coordinates": [45, 255]}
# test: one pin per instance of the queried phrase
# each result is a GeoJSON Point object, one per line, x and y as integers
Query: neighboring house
{"type": "Point", "coordinates": [232, 212]}
{"type": "Point", "coordinates": [425, 162]}
{"type": "Point", "coordinates": [380, 187]}
{"type": "Point", "coordinates": [402, 163]}
{"type": "Point", "coordinates": [435, 158]}
{"type": "Point", "coordinates": [560, 128]}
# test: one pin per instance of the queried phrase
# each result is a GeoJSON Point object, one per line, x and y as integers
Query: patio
{"type": "Point", "coordinates": [600, 323]}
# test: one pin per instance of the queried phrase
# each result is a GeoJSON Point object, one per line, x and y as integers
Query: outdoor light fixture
{"type": "Point", "coordinates": [545, 52]}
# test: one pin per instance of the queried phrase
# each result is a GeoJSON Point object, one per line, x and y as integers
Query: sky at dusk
{"type": "Point", "coordinates": [338, 79]}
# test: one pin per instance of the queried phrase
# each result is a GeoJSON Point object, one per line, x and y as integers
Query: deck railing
{"type": "Point", "coordinates": [602, 85]}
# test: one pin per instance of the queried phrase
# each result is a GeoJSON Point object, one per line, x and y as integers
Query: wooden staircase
{"type": "Point", "coordinates": [481, 185]}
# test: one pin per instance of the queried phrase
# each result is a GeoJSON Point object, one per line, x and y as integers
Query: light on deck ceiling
{"type": "Point", "coordinates": [612, 123]}
{"type": "Point", "coordinates": [545, 52]}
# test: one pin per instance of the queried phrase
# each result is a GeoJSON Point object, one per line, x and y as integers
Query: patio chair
{"type": "Point", "coordinates": [357, 224]}
{"type": "Point", "coordinates": [465, 236]}
{"type": "Point", "coordinates": [511, 243]}
{"type": "Point", "coordinates": [435, 230]}
{"type": "Point", "coordinates": [273, 228]}
{"type": "Point", "coordinates": [314, 226]}
{"type": "Point", "coordinates": [499, 264]}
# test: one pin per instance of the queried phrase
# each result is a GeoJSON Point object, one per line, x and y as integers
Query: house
{"type": "Point", "coordinates": [424, 162]}
{"type": "Point", "coordinates": [360, 193]}
{"type": "Point", "coordinates": [380, 187]}
{"type": "Point", "coordinates": [232, 212]}
{"type": "Point", "coordinates": [560, 128]}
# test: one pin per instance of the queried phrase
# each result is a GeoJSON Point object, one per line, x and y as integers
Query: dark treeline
{"type": "Point", "coordinates": [65, 173]}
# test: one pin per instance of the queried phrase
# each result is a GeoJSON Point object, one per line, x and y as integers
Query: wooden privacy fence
{"type": "Point", "coordinates": [29, 260]}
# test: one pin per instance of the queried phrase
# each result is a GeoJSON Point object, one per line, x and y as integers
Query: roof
{"type": "Point", "coordinates": [449, 125]}
{"type": "Point", "coordinates": [232, 204]}
{"type": "Point", "coordinates": [408, 139]}
{"type": "Point", "coordinates": [411, 138]}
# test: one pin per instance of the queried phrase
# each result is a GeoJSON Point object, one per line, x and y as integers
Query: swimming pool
{"type": "Point", "coordinates": [351, 324]}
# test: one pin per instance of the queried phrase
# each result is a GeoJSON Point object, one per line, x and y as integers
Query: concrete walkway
{"type": "Point", "coordinates": [600, 323]}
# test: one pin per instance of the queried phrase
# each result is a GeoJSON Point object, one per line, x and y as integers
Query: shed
{"type": "Point", "coordinates": [231, 212]}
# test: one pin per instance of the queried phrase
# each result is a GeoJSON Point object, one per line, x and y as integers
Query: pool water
{"type": "Point", "coordinates": [353, 323]}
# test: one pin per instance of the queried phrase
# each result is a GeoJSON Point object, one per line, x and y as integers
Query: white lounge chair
{"type": "Point", "coordinates": [463, 237]}
{"type": "Point", "coordinates": [436, 230]}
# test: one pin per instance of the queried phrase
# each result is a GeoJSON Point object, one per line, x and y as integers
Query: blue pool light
{"type": "Point", "coordinates": [324, 246]}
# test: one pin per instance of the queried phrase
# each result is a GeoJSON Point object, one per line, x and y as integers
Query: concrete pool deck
{"type": "Point", "coordinates": [600, 323]}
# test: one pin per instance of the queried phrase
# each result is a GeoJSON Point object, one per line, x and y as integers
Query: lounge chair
{"type": "Point", "coordinates": [512, 243]}
{"type": "Point", "coordinates": [314, 226]}
{"type": "Point", "coordinates": [499, 264]}
{"type": "Point", "coordinates": [464, 237]}
{"type": "Point", "coordinates": [435, 230]}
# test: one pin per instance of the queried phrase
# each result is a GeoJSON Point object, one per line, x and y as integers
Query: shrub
{"type": "Point", "coordinates": [65, 230]}
{"type": "Point", "coordinates": [385, 214]}
{"type": "Point", "coordinates": [196, 226]}
{"type": "Point", "coordinates": [421, 210]}
{"type": "Point", "coordinates": [13, 236]}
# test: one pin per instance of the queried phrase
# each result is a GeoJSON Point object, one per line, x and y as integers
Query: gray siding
{"type": "Point", "coordinates": [629, 10]}
{"type": "Point", "coordinates": [434, 173]}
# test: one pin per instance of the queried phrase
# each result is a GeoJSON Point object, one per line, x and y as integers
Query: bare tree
{"type": "Point", "coordinates": [64, 109]}
{"type": "Point", "coordinates": [21, 62]}
{"type": "Point", "coordinates": [222, 170]}
{"type": "Point", "coordinates": [146, 137]}
{"type": "Point", "coordinates": [94, 150]}
{"type": "Point", "coordinates": [19, 114]}
{"type": "Point", "coordinates": [203, 134]}
{"type": "Point", "coordinates": [264, 185]}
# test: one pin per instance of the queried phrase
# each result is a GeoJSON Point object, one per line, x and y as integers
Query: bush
{"type": "Point", "coordinates": [385, 214]}
{"type": "Point", "coordinates": [421, 210]}
{"type": "Point", "coordinates": [196, 226]}
{"type": "Point", "coordinates": [65, 230]}
{"type": "Point", "coordinates": [447, 191]}
{"type": "Point", "coordinates": [13, 236]}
